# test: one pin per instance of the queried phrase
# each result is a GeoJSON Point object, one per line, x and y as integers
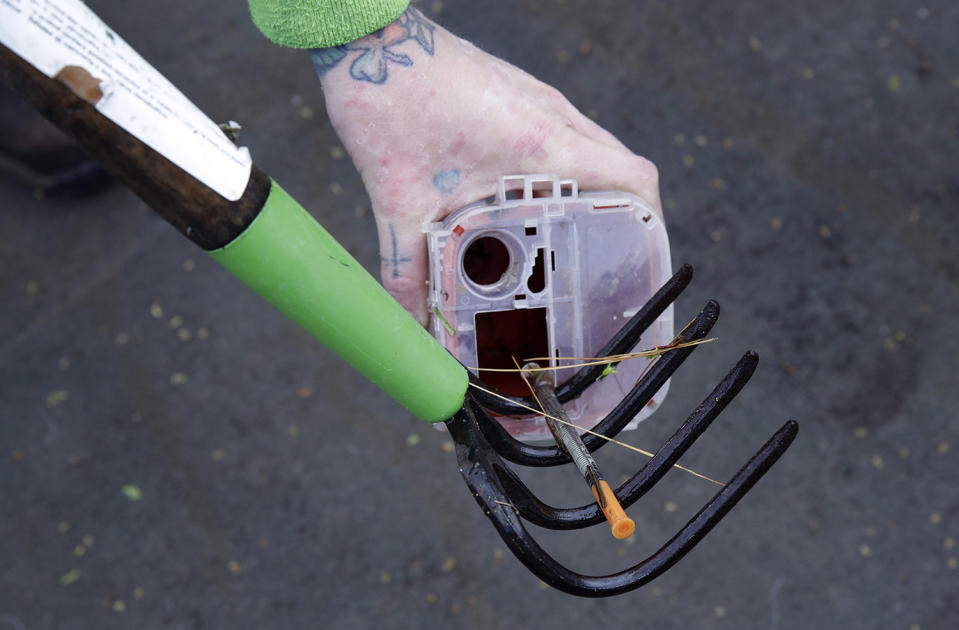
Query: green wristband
{"type": "Point", "coordinates": [293, 263]}
{"type": "Point", "coordinates": [322, 23]}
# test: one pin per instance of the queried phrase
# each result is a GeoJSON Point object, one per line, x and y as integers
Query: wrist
{"type": "Point", "coordinates": [375, 59]}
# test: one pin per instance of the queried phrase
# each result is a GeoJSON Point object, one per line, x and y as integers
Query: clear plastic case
{"type": "Point", "coordinates": [543, 270]}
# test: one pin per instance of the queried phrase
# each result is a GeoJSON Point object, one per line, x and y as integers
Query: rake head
{"type": "Point", "coordinates": [482, 445]}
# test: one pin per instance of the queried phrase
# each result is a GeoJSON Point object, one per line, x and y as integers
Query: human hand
{"type": "Point", "coordinates": [432, 123]}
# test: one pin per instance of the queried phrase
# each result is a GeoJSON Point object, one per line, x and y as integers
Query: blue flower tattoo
{"type": "Point", "coordinates": [377, 50]}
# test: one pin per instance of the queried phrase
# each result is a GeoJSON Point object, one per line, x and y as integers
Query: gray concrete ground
{"type": "Point", "coordinates": [807, 154]}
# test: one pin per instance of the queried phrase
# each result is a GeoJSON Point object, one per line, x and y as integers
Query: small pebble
{"type": "Point", "coordinates": [431, 598]}
{"type": "Point", "coordinates": [754, 44]}
{"type": "Point", "coordinates": [33, 287]}
{"type": "Point", "coordinates": [688, 160]}
{"type": "Point", "coordinates": [935, 518]}
{"type": "Point", "coordinates": [63, 527]}
{"type": "Point", "coordinates": [57, 397]}
{"type": "Point", "coordinates": [203, 333]}
{"type": "Point", "coordinates": [670, 506]}
{"type": "Point", "coordinates": [700, 141]}
{"type": "Point", "coordinates": [189, 265]}
{"type": "Point", "coordinates": [776, 223]}
{"type": "Point", "coordinates": [63, 363]}
{"type": "Point", "coordinates": [436, 7]}
{"type": "Point", "coordinates": [877, 461]}
{"type": "Point", "coordinates": [306, 112]}
{"type": "Point", "coordinates": [337, 153]}
{"type": "Point", "coordinates": [79, 551]}
{"type": "Point", "coordinates": [293, 430]}
{"type": "Point", "coordinates": [883, 42]}
{"type": "Point", "coordinates": [305, 392]}
{"type": "Point", "coordinates": [385, 577]}
{"type": "Point", "coordinates": [119, 606]}
{"type": "Point", "coordinates": [870, 531]}
{"type": "Point", "coordinates": [718, 183]}
{"type": "Point", "coordinates": [719, 611]}
{"type": "Point", "coordinates": [132, 492]}
{"type": "Point", "coordinates": [156, 311]}
{"type": "Point", "coordinates": [497, 555]}
{"type": "Point", "coordinates": [122, 339]}
{"type": "Point", "coordinates": [952, 563]}
{"type": "Point", "coordinates": [893, 83]}
{"type": "Point", "coordinates": [825, 231]}
{"type": "Point", "coordinates": [679, 138]}
{"type": "Point", "coordinates": [179, 378]}
{"type": "Point", "coordinates": [138, 593]}
{"type": "Point", "coordinates": [807, 73]}
{"type": "Point", "coordinates": [217, 454]}
{"type": "Point", "coordinates": [447, 446]}
{"type": "Point", "coordinates": [865, 551]}
{"type": "Point", "coordinates": [87, 540]}
{"type": "Point", "coordinates": [412, 439]}
{"type": "Point", "coordinates": [561, 55]}
{"type": "Point", "coordinates": [942, 448]}
{"type": "Point", "coordinates": [175, 322]}
{"type": "Point", "coordinates": [922, 13]}
{"type": "Point", "coordinates": [184, 334]}
{"type": "Point", "coordinates": [893, 24]}
{"type": "Point", "coordinates": [861, 432]}
{"type": "Point", "coordinates": [234, 567]}
{"type": "Point", "coordinates": [449, 564]}
{"type": "Point", "coordinates": [336, 189]}
{"type": "Point", "coordinates": [70, 577]}
{"type": "Point", "coordinates": [904, 452]}
{"type": "Point", "coordinates": [948, 542]}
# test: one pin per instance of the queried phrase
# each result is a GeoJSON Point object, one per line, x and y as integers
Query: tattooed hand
{"type": "Point", "coordinates": [432, 123]}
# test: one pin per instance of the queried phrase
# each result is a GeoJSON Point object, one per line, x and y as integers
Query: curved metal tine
{"type": "Point", "coordinates": [623, 341]}
{"type": "Point", "coordinates": [475, 458]}
{"type": "Point", "coordinates": [539, 513]}
{"type": "Point", "coordinates": [520, 452]}
{"type": "Point", "coordinates": [553, 573]}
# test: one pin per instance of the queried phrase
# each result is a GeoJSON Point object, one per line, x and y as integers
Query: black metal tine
{"type": "Point", "coordinates": [553, 573]}
{"type": "Point", "coordinates": [623, 341]}
{"type": "Point", "coordinates": [474, 456]}
{"type": "Point", "coordinates": [539, 513]}
{"type": "Point", "coordinates": [532, 455]}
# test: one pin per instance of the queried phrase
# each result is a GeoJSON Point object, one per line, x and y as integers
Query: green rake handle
{"type": "Point", "coordinates": [295, 265]}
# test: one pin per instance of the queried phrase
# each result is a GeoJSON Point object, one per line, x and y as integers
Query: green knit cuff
{"type": "Point", "coordinates": [322, 23]}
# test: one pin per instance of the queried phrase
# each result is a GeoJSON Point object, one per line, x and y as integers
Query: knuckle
{"type": "Point", "coordinates": [646, 170]}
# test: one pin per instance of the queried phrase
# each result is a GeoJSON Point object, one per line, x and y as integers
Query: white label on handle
{"type": "Point", "coordinates": [53, 34]}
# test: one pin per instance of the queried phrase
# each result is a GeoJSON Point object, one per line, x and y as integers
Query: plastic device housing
{"type": "Point", "coordinates": [543, 270]}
